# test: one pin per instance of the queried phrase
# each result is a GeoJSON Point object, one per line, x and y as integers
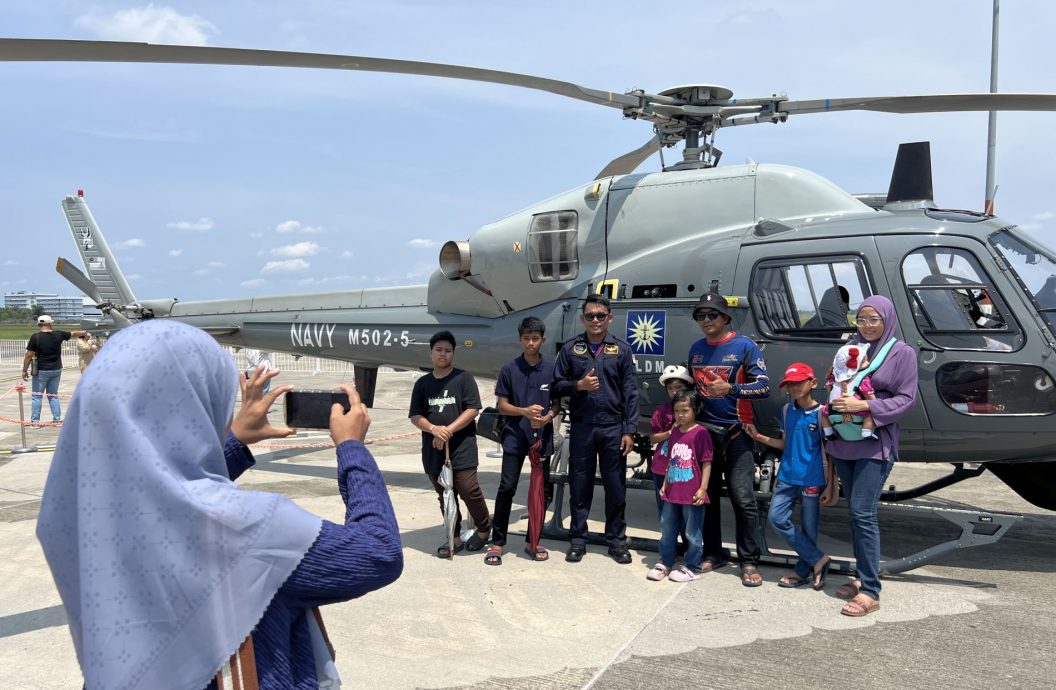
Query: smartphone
{"type": "Point", "coordinates": [311, 409]}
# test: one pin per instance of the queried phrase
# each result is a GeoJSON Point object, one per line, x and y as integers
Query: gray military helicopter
{"type": "Point", "coordinates": [795, 253]}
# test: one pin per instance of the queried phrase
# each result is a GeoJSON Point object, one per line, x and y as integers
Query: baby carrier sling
{"type": "Point", "coordinates": [852, 430]}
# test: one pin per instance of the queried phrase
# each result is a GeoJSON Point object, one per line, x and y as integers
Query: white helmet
{"type": "Point", "coordinates": [676, 371]}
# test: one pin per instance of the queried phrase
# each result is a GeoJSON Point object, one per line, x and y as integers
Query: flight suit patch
{"type": "Point", "coordinates": [612, 349]}
{"type": "Point", "coordinates": [579, 349]}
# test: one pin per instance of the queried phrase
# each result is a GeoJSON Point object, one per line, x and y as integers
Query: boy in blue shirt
{"type": "Point", "coordinates": [801, 476]}
{"type": "Point", "coordinates": [523, 392]}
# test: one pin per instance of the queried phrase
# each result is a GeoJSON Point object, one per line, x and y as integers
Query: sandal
{"type": "Point", "coordinates": [713, 563]}
{"type": "Point", "coordinates": [861, 605]}
{"type": "Point", "coordinates": [540, 554]}
{"type": "Point", "coordinates": [493, 556]}
{"type": "Point", "coordinates": [476, 542]}
{"type": "Point", "coordinates": [792, 580]}
{"type": "Point", "coordinates": [750, 576]}
{"type": "Point", "coordinates": [819, 577]}
{"type": "Point", "coordinates": [848, 591]}
{"type": "Point", "coordinates": [444, 551]}
{"type": "Point", "coordinates": [659, 572]}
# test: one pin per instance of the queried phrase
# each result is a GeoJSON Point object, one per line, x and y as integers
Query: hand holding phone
{"type": "Point", "coordinates": [350, 424]}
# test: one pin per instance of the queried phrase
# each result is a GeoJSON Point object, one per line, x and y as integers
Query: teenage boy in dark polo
{"type": "Point", "coordinates": [596, 371]}
{"type": "Point", "coordinates": [730, 373]}
{"type": "Point", "coordinates": [523, 392]}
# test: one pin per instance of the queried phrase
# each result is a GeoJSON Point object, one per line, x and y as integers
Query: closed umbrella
{"type": "Point", "coordinates": [536, 499]}
{"type": "Point", "coordinates": [447, 480]}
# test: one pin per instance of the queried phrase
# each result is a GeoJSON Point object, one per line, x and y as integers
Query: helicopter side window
{"type": "Point", "coordinates": [553, 249]}
{"type": "Point", "coordinates": [955, 305]}
{"type": "Point", "coordinates": [810, 298]}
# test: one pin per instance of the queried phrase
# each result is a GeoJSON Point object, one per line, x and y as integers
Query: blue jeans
{"type": "Point", "coordinates": [658, 482]}
{"type": "Point", "coordinates": [46, 381]}
{"type": "Point", "coordinates": [674, 516]}
{"type": "Point", "coordinates": [863, 481]}
{"type": "Point", "coordinates": [803, 539]}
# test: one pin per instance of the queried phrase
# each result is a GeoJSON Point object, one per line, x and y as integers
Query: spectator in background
{"type": "Point", "coordinates": [87, 346]}
{"type": "Point", "coordinates": [255, 359]}
{"type": "Point", "coordinates": [45, 347]}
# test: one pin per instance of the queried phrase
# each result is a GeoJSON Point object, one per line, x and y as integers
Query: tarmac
{"type": "Point", "coordinates": [984, 617]}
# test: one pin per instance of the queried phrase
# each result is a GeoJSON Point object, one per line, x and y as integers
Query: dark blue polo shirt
{"type": "Point", "coordinates": [524, 385]}
{"type": "Point", "coordinates": [616, 400]}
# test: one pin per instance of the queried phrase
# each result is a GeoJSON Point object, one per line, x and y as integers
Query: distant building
{"type": "Point", "coordinates": [63, 309]}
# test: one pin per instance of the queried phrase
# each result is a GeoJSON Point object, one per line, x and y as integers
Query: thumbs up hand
{"type": "Point", "coordinates": [714, 386]}
{"type": "Point", "coordinates": [589, 382]}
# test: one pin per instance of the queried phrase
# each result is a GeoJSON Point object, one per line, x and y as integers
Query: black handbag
{"type": "Point", "coordinates": [491, 424]}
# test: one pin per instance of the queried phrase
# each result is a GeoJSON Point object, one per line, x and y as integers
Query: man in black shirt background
{"type": "Point", "coordinates": [46, 346]}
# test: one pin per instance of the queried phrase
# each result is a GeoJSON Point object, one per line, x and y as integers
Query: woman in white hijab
{"type": "Point", "coordinates": [164, 566]}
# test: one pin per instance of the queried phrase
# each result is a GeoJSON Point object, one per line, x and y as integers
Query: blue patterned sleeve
{"type": "Point", "coordinates": [238, 457]}
{"type": "Point", "coordinates": [365, 553]}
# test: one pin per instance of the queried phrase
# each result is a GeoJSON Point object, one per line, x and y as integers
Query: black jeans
{"type": "Point", "coordinates": [511, 475]}
{"type": "Point", "coordinates": [737, 462]}
{"type": "Point", "coordinates": [592, 445]}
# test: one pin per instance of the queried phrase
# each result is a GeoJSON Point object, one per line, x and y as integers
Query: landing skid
{"type": "Point", "coordinates": [978, 528]}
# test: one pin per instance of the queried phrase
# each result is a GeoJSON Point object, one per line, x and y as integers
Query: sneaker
{"type": "Point", "coordinates": [659, 572]}
{"type": "Point", "coordinates": [620, 554]}
{"type": "Point", "coordinates": [575, 553]}
{"type": "Point", "coordinates": [683, 574]}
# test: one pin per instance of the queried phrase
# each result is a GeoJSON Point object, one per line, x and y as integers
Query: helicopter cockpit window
{"type": "Point", "coordinates": [553, 252]}
{"type": "Point", "coordinates": [1034, 267]}
{"type": "Point", "coordinates": [955, 305]}
{"type": "Point", "coordinates": [809, 298]}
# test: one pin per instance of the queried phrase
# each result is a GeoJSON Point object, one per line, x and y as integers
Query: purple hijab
{"type": "Point", "coordinates": [895, 382]}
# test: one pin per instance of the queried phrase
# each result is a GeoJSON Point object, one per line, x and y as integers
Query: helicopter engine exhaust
{"type": "Point", "coordinates": [911, 185]}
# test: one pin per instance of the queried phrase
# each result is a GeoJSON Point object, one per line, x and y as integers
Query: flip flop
{"type": "Point", "coordinates": [792, 581]}
{"type": "Point", "coordinates": [847, 591]}
{"type": "Point", "coordinates": [540, 554]}
{"type": "Point", "coordinates": [444, 552]}
{"type": "Point", "coordinates": [713, 563]}
{"type": "Point", "coordinates": [860, 606]}
{"type": "Point", "coordinates": [493, 556]}
{"type": "Point", "coordinates": [747, 571]}
{"type": "Point", "coordinates": [819, 577]}
{"type": "Point", "coordinates": [476, 543]}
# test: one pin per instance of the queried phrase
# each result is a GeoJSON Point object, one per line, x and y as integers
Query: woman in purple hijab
{"type": "Point", "coordinates": [863, 465]}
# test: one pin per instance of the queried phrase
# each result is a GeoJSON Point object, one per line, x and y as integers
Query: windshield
{"type": "Point", "coordinates": [1036, 269]}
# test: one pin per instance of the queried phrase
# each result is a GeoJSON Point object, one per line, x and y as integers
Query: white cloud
{"type": "Point", "coordinates": [288, 226]}
{"type": "Point", "coordinates": [256, 235]}
{"type": "Point", "coordinates": [421, 243]}
{"type": "Point", "coordinates": [1030, 226]}
{"type": "Point", "coordinates": [1043, 216]}
{"type": "Point", "coordinates": [287, 266]}
{"type": "Point", "coordinates": [134, 242]}
{"type": "Point", "coordinates": [10, 262]}
{"type": "Point", "coordinates": [200, 272]}
{"type": "Point", "coordinates": [203, 224]}
{"type": "Point", "coordinates": [253, 283]}
{"type": "Point", "coordinates": [175, 252]}
{"type": "Point", "coordinates": [347, 254]}
{"type": "Point", "coordinates": [298, 249]}
{"type": "Point", "coordinates": [324, 281]}
{"type": "Point", "coordinates": [151, 24]}
{"type": "Point", "coordinates": [216, 264]}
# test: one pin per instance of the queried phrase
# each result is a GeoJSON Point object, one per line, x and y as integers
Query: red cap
{"type": "Point", "coordinates": [796, 372]}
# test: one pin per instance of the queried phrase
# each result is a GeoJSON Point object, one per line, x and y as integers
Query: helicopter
{"type": "Point", "coordinates": [793, 253]}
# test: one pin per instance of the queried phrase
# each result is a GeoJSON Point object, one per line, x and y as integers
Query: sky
{"type": "Point", "coordinates": [212, 182]}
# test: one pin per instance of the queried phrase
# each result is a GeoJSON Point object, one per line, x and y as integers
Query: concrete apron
{"type": "Point", "coordinates": [460, 622]}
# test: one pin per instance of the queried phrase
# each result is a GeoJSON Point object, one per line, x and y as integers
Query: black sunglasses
{"type": "Point", "coordinates": [596, 316]}
{"type": "Point", "coordinates": [707, 316]}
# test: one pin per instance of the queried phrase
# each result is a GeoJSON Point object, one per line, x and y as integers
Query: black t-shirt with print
{"type": "Point", "coordinates": [441, 401]}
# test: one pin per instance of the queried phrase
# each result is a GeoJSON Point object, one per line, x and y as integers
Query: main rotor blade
{"type": "Point", "coordinates": [942, 103]}
{"type": "Point", "coordinates": [50, 50]}
{"type": "Point", "coordinates": [81, 281]}
{"type": "Point", "coordinates": [626, 163]}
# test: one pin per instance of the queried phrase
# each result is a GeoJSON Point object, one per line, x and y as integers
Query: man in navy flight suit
{"type": "Point", "coordinates": [596, 371]}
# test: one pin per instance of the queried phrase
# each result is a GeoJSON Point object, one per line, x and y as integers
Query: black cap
{"type": "Point", "coordinates": [710, 301]}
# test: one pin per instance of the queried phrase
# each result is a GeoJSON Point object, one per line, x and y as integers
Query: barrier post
{"type": "Point", "coordinates": [21, 388]}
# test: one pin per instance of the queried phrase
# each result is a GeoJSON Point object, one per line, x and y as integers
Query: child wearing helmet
{"type": "Point", "coordinates": [849, 361]}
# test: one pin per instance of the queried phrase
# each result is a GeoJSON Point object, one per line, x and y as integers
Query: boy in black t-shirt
{"type": "Point", "coordinates": [444, 406]}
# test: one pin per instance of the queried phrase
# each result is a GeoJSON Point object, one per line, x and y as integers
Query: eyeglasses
{"type": "Point", "coordinates": [707, 316]}
{"type": "Point", "coordinates": [871, 321]}
{"type": "Point", "coordinates": [596, 316]}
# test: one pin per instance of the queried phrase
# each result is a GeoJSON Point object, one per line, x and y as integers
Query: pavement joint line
{"type": "Point", "coordinates": [601, 671]}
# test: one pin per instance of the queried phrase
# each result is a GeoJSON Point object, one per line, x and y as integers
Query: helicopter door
{"type": "Point", "coordinates": [958, 309]}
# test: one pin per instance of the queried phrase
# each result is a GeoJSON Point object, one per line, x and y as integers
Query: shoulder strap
{"type": "Point", "coordinates": [874, 363]}
{"type": "Point", "coordinates": [784, 420]}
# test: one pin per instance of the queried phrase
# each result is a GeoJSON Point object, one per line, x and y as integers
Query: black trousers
{"type": "Point", "coordinates": [737, 462]}
{"type": "Point", "coordinates": [468, 489]}
{"type": "Point", "coordinates": [591, 445]}
{"type": "Point", "coordinates": [512, 463]}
